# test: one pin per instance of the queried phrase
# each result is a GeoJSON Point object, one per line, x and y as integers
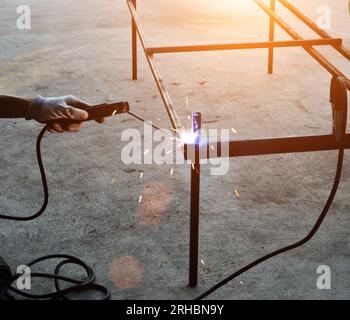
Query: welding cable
{"type": "Point", "coordinates": [86, 284]}
{"type": "Point", "coordinates": [44, 183]}
{"type": "Point", "coordinates": [300, 243]}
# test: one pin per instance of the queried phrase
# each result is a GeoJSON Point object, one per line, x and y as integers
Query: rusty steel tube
{"type": "Point", "coordinates": [243, 46]}
{"type": "Point", "coordinates": [271, 37]}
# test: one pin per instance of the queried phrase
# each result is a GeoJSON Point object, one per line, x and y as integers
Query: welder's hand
{"type": "Point", "coordinates": [67, 107]}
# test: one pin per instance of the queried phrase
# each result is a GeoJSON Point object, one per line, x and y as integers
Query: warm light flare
{"type": "Point", "coordinates": [225, 6]}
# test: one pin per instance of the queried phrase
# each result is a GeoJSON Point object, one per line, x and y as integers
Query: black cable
{"type": "Point", "coordinates": [79, 285]}
{"type": "Point", "coordinates": [300, 243]}
{"type": "Point", "coordinates": [44, 182]}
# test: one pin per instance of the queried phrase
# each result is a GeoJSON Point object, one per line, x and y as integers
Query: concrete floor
{"type": "Point", "coordinates": [140, 250]}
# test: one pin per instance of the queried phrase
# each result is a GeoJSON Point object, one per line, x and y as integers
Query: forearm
{"type": "Point", "coordinates": [14, 107]}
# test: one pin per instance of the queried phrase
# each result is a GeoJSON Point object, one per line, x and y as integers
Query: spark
{"type": "Point", "coordinates": [202, 261]}
{"type": "Point", "coordinates": [172, 171]}
{"type": "Point", "coordinates": [212, 148]}
{"type": "Point", "coordinates": [170, 151]}
{"type": "Point", "coordinates": [237, 194]}
{"type": "Point", "coordinates": [141, 175]}
{"type": "Point", "coordinates": [114, 112]}
{"type": "Point", "coordinates": [193, 168]}
{"type": "Point", "coordinates": [146, 152]}
{"type": "Point", "coordinates": [241, 282]}
{"type": "Point", "coordinates": [234, 130]}
{"type": "Point", "coordinates": [140, 199]}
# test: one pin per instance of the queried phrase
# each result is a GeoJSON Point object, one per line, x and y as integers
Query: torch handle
{"type": "Point", "coordinates": [96, 112]}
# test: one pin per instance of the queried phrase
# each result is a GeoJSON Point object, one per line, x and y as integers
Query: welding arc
{"type": "Point", "coordinates": [300, 243]}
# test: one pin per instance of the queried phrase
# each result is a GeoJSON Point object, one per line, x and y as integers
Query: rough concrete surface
{"type": "Point", "coordinates": [140, 250]}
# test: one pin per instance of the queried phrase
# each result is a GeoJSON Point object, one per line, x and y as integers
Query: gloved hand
{"type": "Point", "coordinates": [68, 107]}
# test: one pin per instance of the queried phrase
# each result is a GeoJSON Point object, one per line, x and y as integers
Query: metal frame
{"type": "Point", "coordinates": [248, 147]}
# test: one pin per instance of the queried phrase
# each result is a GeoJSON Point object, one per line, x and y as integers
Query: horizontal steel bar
{"type": "Point", "coordinates": [312, 25]}
{"type": "Point", "coordinates": [248, 45]}
{"type": "Point", "coordinates": [174, 119]}
{"type": "Point", "coordinates": [244, 148]}
{"type": "Point", "coordinates": [313, 52]}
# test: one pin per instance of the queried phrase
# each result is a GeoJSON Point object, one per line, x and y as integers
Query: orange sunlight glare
{"type": "Point", "coordinates": [226, 6]}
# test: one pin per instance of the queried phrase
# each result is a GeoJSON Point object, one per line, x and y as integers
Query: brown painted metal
{"type": "Point", "coordinates": [245, 148]}
{"type": "Point", "coordinates": [194, 212]}
{"type": "Point", "coordinates": [248, 45]}
{"type": "Point", "coordinates": [271, 37]}
{"type": "Point", "coordinates": [134, 45]}
{"type": "Point", "coordinates": [341, 49]}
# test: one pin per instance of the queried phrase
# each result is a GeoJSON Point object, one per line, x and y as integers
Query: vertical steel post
{"type": "Point", "coordinates": [271, 37]}
{"type": "Point", "coordinates": [134, 45]}
{"type": "Point", "coordinates": [195, 195]}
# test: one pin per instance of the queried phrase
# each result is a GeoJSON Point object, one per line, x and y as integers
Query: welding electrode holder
{"type": "Point", "coordinates": [339, 101]}
{"type": "Point", "coordinates": [97, 112]}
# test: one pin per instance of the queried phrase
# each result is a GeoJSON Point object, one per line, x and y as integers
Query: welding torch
{"type": "Point", "coordinates": [97, 112]}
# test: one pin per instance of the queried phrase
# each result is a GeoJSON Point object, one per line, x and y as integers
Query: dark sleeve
{"type": "Point", "coordinates": [14, 107]}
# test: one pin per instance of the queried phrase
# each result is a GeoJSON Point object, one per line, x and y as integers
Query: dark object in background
{"type": "Point", "coordinates": [5, 277]}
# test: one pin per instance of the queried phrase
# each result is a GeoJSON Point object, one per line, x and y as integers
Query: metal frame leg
{"type": "Point", "coordinates": [194, 224]}
{"type": "Point", "coordinates": [271, 37]}
{"type": "Point", "coordinates": [195, 198]}
{"type": "Point", "coordinates": [134, 45]}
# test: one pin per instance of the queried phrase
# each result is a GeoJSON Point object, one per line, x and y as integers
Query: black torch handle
{"type": "Point", "coordinates": [96, 112]}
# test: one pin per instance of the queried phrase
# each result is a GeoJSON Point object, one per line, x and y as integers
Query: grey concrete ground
{"type": "Point", "coordinates": [140, 250]}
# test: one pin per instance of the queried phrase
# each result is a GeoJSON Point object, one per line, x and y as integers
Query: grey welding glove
{"type": "Point", "coordinates": [68, 107]}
